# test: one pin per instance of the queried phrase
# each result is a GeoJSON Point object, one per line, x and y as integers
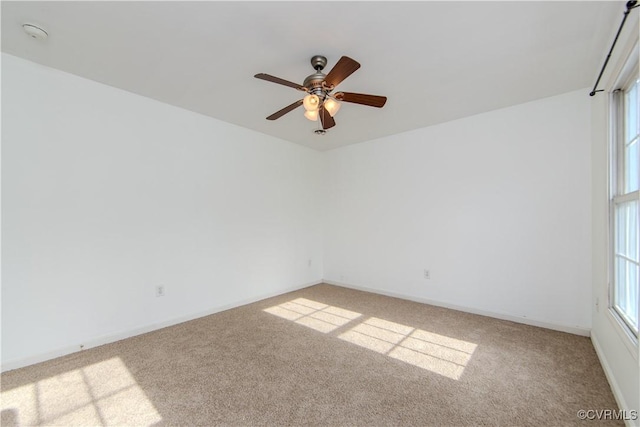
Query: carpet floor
{"type": "Point", "coordinates": [322, 356]}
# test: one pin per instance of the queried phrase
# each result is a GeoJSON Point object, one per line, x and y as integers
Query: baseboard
{"type": "Point", "coordinates": [107, 339]}
{"type": "Point", "coordinates": [615, 388]}
{"type": "Point", "coordinates": [517, 319]}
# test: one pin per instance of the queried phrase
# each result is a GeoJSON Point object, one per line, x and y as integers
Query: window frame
{"type": "Point", "coordinates": [627, 76]}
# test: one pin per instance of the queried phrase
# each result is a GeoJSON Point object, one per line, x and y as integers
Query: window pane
{"type": "Point", "coordinates": [626, 291]}
{"type": "Point", "coordinates": [626, 238]}
{"type": "Point", "coordinates": [631, 159]}
{"type": "Point", "coordinates": [631, 107]}
{"type": "Point", "coordinates": [621, 281]}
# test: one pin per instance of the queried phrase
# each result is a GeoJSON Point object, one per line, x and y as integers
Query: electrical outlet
{"type": "Point", "coordinates": [160, 291]}
{"type": "Point", "coordinates": [427, 274]}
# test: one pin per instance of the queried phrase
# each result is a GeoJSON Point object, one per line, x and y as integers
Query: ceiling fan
{"type": "Point", "coordinates": [320, 103]}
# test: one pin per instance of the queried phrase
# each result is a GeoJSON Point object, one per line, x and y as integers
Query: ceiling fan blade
{"type": "Point", "coordinates": [326, 119]}
{"type": "Point", "coordinates": [280, 81]}
{"type": "Point", "coordinates": [343, 69]}
{"type": "Point", "coordinates": [362, 98]}
{"type": "Point", "coordinates": [285, 110]}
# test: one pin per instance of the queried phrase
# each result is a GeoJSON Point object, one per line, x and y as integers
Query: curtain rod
{"type": "Point", "coordinates": [630, 5]}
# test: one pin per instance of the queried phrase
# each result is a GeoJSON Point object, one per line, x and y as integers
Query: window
{"type": "Point", "coordinates": [625, 201]}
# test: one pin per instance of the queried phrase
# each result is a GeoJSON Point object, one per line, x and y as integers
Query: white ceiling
{"type": "Point", "coordinates": [435, 61]}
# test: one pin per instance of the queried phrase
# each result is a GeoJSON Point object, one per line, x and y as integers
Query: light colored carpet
{"type": "Point", "coordinates": [325, 356]}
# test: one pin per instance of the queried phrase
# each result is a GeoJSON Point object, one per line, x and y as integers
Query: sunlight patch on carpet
{"type": "Point", "coordinates": [442, 355]}
{"type": "Point", "coordinates": [312, 314]}
{"type": "Point", "coordinates": [437, 353]}
{"type": "Point", "coordinates": [101, 394]}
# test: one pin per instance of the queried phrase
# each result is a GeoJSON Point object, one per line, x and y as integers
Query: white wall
{"type": "Point", "coordinates": [497, 206]}
{"type": "Point", "coordinates": [618, 355]}
{"type": "Point", "coordinates": [106, 194]}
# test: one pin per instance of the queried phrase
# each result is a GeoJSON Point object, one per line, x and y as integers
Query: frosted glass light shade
{"type": "Point", "coordinates": [311, 102]}
{"type": "Point", "coordinates": [332, 106]}
{"type": "Point", "coordinates": [311, 115]}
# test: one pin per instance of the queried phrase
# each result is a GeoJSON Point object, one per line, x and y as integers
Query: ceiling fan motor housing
{"type": "Point", "coordinates": [313, 83]}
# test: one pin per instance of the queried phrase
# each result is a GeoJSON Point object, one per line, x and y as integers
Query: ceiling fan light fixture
{"type": "Point", "coordinates": [311, 115]}
{"type": "Point", "coordinates": [311, 102]}
{"type": "Point", "coordinates": [332, 106]}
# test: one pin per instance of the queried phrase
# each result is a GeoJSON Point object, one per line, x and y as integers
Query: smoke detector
{"type": "Point", "coordinates": [35, 32]}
